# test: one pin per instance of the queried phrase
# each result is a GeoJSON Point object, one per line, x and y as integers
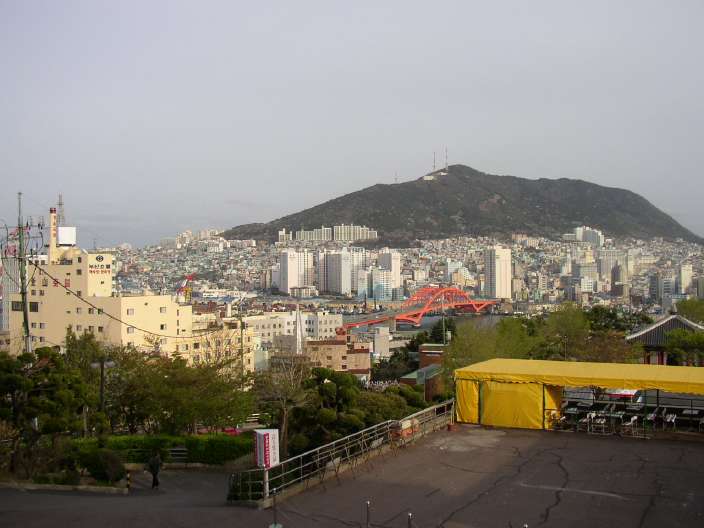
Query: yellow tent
{"type": "Point", "coordinates": [518, 392]}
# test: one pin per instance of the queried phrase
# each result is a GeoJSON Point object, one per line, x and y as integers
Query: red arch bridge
{"type": "Point", "coordinates": [428, 300]}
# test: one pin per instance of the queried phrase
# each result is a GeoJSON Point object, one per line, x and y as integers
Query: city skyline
{"type": "Point", "coordinates": [150, 124]}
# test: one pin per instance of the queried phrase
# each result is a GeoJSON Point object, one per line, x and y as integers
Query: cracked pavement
{"type": "Point", "coordinates": [471, 477]}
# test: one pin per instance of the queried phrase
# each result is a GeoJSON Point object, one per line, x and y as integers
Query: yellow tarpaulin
{"type": "Point", "coordinates": [512, 404]}
{"type": "Point", "coordinates": [467, 402]}
{"type": "Point", "coordinates": [573, 374]}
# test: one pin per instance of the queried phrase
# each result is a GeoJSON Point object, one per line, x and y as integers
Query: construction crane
{"type": "Point", "coordinates": [184, 290]}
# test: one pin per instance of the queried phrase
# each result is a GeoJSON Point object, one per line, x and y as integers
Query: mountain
{"type": "Point", "coordinates": [462, 200]}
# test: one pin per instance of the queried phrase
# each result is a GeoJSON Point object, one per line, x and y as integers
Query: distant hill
{"type": "Point", "coordinates": [463, 201]}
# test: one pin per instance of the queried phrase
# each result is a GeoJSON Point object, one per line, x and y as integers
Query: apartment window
{"type": "Point", "coordinates": [130, 329]}
{"type": "Point", "coordinates": [185, 347]}
{"type": "Point", "coordinates": [91, 311]}
{"type": "Point", "coordinates": [79, 272]}
{"type": "Point", "coordinates": [79, 293]}
{"type": "Point", "coordinates": [34, 307]}
{"type": "Point", "coordinates": [42, 325]}
{"type": "Point", "coordinates": [68, 292]}
{"type": "Point", "coordinates": [196, 346]}
{"type": "Point", "coordinates": [41, 339]}
{"type": "Point", "coordinates": [80, 259]}
{"type": "Point", "coordinates": [162, 309]}
{"type": "Point", "coordinates": [178, 313]}
{"type": "Point", "coordinates": [41, 293]}
{"type": "Point", "coordinates": [91, 329]}
{"type": "Point", "coordinates": [344, 367]}
{"type": "Point", "coordinates": [344, 357]}
{"type": "Point", "coordinates": [34, 325]}
{"type": "Point", "coordinates": [130, 311]}
{"type": "Point", "coordinates": [79, 328]}
{"type": "Point", "coordinates": [163, 341]}
{"type": "Point", "coordinates": [33, 282]}
{"type": "Point", "coordinates": [329, 358]}
{"type": "Point", "coordinates": [130, 343]}
{"type": "Point", "coordinates": [16, 306]}
{"type": "Point", "coordinates": [178, 322]}
{"type": "Point", "coordinates": [34, 292]}
{"type": "Point", "coordinates": [79, 310]}
{"type": "Point", "coordinates": [162, 327]}
{"type": "Point", "coordinates": [45, 282]}
{"type": "Point", "coordinates": [100, 311]}
{"type": "Point", "coordinates": [107, 266]}
{"type": "Point", "coordinates": [100, 329]}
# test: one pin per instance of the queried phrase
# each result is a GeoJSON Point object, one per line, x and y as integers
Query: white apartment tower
{"type": "Point", "coordinates": [497, 268]}
{"type": "Point", "coordinates": [391, 260]}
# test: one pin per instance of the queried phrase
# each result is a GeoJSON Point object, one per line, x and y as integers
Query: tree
{"type": "Point", "coordinates": [436, 332]}
{"type": "Point", "coordinates": [692, 309]}
{"type": "Point", "coordinates": [566, 331]}
{"type": "Point", "coordinates": [391, 369]}
{"type": "Point", "coordinates": [282, 388]}
{"type": "Point", "coordinates": [610, 347]}
{"type": "Point", "coordinates": [41, 396]}
{"type": "Point", "coordinates": [602, 318]}
{"type": "Point", "coordinates": [684, 347]}
{"type": "Point", "coordinates": [417, 340]}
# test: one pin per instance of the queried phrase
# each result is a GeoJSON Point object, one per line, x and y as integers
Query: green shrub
{"type": "Point", "coordinates": [104, 465]}
{"type": "Point", "coordinates": [218, 448]}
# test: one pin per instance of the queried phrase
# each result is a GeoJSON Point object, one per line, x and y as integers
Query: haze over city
{"type": "Point", "coordinates": [155, 117]}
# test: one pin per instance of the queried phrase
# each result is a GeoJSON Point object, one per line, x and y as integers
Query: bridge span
{"type": "Point", "coordinates": [425, 301]}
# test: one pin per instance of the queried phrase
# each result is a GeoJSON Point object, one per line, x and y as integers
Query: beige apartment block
{"type": "Point", "coordinates": [73, 287]}
{"type": "Point", "coordinates": [338, 355]}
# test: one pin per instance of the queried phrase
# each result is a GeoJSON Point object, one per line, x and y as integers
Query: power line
{"type": "Point", "coordinates": [110, 316]}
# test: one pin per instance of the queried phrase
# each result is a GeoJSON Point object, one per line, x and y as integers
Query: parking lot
{"type": "Point", "coordinates": [471, 477]}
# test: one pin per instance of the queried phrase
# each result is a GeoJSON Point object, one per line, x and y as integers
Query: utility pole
{"type": "Point", "coordinates": [22, 263]}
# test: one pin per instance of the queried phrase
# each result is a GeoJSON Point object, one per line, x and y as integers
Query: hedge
{"type": "Point", "coordinates": [206, 449]}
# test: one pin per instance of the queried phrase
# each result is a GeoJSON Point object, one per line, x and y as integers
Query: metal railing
{"type": "Point", "coordinates": [330, 459]}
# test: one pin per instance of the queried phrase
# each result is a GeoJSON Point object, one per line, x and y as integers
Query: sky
{"type": "Point", "coordinates": [155, 117]}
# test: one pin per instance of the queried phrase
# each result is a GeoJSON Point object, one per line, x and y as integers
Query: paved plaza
{"type": "Point", "coordinates": [471, 477]}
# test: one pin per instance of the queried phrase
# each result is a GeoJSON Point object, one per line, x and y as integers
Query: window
{"type": "Point", "coordinates": [178, 312]}
{"type": "Point", "coordinates": [178, 322]}
{"type": "Point", "coordinates": [41, 293]}
{"type": "Point", "coordinates": [130, 311]}
{"type": "Point", "coordinates": [196, 346]}
{"type": "Point", "coordinates": [79, 328]}
{"type": "Point", "coordinates": [162, 327]}
{"type": "Point", "coordinates": [79, 310]}
{"type": "Point", "coordinates": [162, 309]}
{"type": "Point", "coordinates": [34, 292]}
{"type": "Point", "coordinates": [42, 325]}
{"type": "Point", "coordinates": [185, 347]}
{"type": "Point", "coordinates": [100, 329]}
{"type": "Point", "coordinates": [107, 266]}
{"type": "Point", "coordinates": [344, 367]}
{"type": "Point", "coordinates": [163, 341]}
{"type": "Point", "coordinates": [80, 259]}
{"type": "Point", "coordinates": [34, 325]}
{"type": "Point", "coordinates": [79, 293]}
{"type": "Point", "coordinates": [41, 339]}
{"type": "Point", "coordinates": [100, 311]}
{"type": "Point", "coordinates": [91, 329]}
{"type": "Point", "coordinates": [16, 306]}
{"type": "Point", "coordinates": [130, 329]}
{"type": "Point", "coordinates": [45, 282]}
{"type": "Point", "coordinates": [79, 272]}
{"type": "Point", "coordinates": [91, 311]}
{"type": "Point", "coordinates": [34, 307]}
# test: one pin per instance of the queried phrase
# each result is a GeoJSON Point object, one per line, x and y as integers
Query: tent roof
{"type": "Point", "coordinates": [689, 380]}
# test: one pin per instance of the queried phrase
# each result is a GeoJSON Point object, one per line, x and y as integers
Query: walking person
{"type": "Point", "coordinates": [154, 466]}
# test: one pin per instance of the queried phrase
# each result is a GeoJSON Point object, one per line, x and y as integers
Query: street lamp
{"type": "Point", "coordinates": [102, 365]}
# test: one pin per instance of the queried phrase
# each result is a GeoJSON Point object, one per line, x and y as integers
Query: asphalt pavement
{"type": "Point", "coordinates": [472, 477]}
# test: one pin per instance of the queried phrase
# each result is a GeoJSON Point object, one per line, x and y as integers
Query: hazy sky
{"type": "Point", "coordinates": [152, 117]}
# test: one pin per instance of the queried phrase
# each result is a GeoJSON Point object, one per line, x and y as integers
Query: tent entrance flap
{"type": "Point", "coordinates": [512, 404]}
{"type": "Point", "coordinates": [467, 401]}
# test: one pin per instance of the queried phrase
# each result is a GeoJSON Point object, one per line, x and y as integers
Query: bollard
{"type": "Point", "coordinates": [410, 520]}
{"type": "Point", "coordinates": [369, 513]}
{"type": "Point", "coordinates": [129, 480]}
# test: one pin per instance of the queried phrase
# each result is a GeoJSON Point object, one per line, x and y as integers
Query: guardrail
{"type": "Point", "coordinates": [318, 464]}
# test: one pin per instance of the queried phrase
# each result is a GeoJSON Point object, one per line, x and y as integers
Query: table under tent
{"type": "Point", "coordinates": [535, 394]}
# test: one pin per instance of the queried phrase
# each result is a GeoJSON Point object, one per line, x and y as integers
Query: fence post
{"type": "Point", "coordinates": [265, 480]}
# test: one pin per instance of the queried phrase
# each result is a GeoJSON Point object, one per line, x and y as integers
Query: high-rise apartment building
{"type": "Point", "coordinates": [684, 278]}
{"type": "Point", "coordinates": [391, 260]}
{"type": "Point", "coordinates": [589, 235]}
{"type": "Point", "coordinates": [338, 272]}
{"type": "Point", "coordinates": [497, 269]}
{"type": "Point", "coordinates": [608, 259]}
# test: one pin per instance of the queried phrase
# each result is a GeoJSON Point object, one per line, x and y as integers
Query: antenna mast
{"type": "Point", "coordinates": [61, 218]}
